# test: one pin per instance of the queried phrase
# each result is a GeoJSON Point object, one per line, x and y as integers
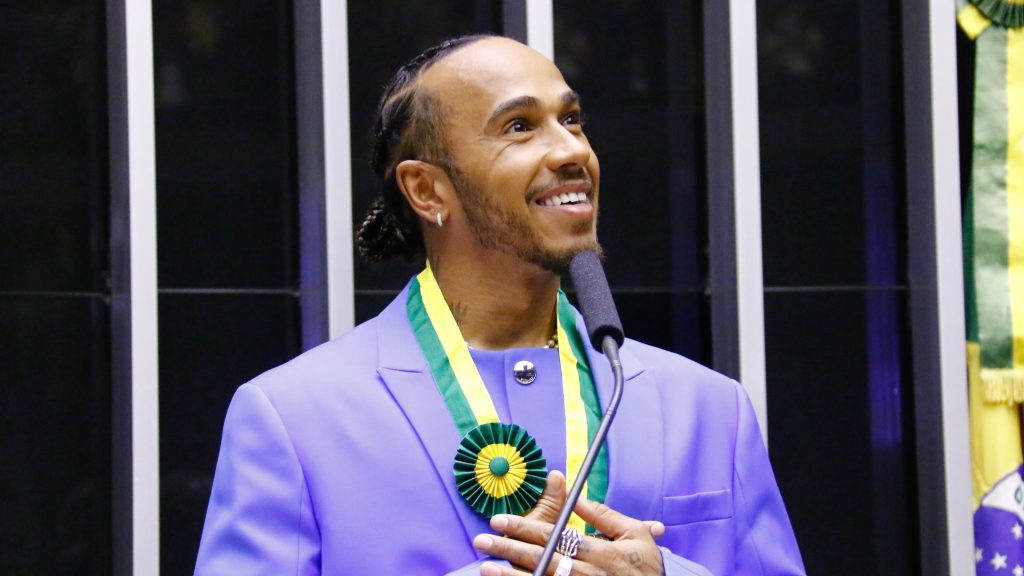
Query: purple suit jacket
{"type": "Point", "coordinates": [340, 462]}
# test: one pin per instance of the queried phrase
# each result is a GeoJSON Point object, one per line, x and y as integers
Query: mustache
{"type": "Point", "coordinates": [560, 179]}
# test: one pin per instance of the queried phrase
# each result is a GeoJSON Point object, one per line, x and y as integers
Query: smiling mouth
{"type": "Point", "coordinates": [569, 198]}
{"type": "Point", "coordinates": [575, 192]}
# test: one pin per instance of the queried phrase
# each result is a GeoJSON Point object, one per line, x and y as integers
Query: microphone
{"type": "Point", "coordinates": [605, 331]}
{"type": "Point", "coordinates": [595, 298]}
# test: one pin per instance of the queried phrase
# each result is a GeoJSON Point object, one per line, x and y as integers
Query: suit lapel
{"type": "Point", "coordinates": [636, 436]}
{"type": "Point", "coordinates": [405, 373]}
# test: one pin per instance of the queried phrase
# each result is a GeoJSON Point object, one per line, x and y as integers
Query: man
{"type": "Point", "coordinates": [409, 445]}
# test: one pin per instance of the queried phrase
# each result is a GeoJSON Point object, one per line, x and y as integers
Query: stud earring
{"type": "Point", "coordinates": [440, 222]}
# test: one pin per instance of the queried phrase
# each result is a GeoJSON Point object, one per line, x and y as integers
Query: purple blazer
{"type": "Point", "coordinates": [340, 462]}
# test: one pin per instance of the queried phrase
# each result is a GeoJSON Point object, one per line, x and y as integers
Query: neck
{"type": "Point", "coordinates": [498, 301]}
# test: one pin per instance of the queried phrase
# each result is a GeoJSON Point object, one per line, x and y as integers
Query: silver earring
{"type": "Point", "coordinates": [440, 222]}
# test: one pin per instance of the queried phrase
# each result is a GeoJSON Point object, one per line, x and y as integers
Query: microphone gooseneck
{"type": "Point", "coordinates": [605, 332]}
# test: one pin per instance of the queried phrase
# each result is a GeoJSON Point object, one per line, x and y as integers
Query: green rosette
{"type": "Point", "coordinates": [500, 469]}
{"type": "Point", "coordinates": [1006, 13]}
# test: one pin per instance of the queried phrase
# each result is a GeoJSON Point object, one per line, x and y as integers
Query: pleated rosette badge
{"type": "Point", "coordinates": [500, 469]}
{"type": "Point", "coordinates": [1007, 13]}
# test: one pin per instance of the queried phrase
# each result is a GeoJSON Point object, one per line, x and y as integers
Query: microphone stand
{"type": "Point", "coordinates": [611, 351]}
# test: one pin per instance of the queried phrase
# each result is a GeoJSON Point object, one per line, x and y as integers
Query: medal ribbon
{"type": "Point", "coordinates": [994, 252]}
{"type": "Point", "coordinates": [470, 404]}
{"type": "Point", "coordinates": [994, 264]}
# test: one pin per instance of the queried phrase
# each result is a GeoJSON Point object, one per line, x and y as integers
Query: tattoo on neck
{"type": "Point", "coordinates": [459, 310]}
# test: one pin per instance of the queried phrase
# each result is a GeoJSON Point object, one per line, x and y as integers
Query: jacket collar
{"type": "Point", "coordinates": [400, 351]}
{"type": "Point", "coordinates": [396, 342]}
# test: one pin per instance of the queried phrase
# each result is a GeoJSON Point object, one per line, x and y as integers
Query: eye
{"type": "Point", "coordinates": [574, 119]}
{"type": "Point", "coordinates": [517, 126]}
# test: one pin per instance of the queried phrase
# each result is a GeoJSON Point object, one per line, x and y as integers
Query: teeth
{"type": "Point", "coordinates": [567, 198]}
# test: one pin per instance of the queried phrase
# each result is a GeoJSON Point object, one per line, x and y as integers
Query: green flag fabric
{"type": "Point", "coordinates": [994, 239]}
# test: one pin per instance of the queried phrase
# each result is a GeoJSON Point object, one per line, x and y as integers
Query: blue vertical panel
{"type": "Point", "coordinates": [836, 320]}
{"type": "Point", "coordinates": [54, 300]}
{"type": "Point", "coordinates": [885, 269]}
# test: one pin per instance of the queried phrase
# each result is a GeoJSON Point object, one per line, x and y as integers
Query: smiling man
{"type": "Point", "coordinates": [440, 436]}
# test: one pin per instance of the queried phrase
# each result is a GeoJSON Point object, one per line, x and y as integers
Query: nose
{"type": "Point", "coordinates": [567, 149]}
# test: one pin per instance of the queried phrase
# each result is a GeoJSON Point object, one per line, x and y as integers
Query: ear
{"type": "Point", "coordinates": [426, 188]}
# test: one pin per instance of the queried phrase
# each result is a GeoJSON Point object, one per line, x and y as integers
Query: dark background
{"type": "Point", "coordinates": [54, 295]}
{"type": "Point", "coordinates": [833, 217]}
{"type": "Point", "coordinates": [834, 232]}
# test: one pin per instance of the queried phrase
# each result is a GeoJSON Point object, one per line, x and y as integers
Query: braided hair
{"type": "Point", "coordinates": [409, 125]}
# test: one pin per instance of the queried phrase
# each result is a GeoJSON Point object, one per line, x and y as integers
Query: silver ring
{"type": "Point", "coordinates": [568, 543]}
{"type": "Point", "coordinates": [440, 222]}
{"type": "Point", "coordinates": [564, 566]}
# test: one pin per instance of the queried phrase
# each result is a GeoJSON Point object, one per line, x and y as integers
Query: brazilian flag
{"type": "Point", "coordinates": [994, 275]}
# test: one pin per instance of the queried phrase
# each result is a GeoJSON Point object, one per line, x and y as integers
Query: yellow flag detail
{"type": "Point", "coordinates": [995, 432]}
{"type": "Point", "coordinates": [972, 21]}
{"type": "Point", "coordinates": [456, 349]}
{"type": "Point", "coordinates": [575, 422]}
{"type": "Point", "coordinates": [1015, 189]}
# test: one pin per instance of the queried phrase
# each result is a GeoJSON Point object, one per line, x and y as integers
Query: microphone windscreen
{"type": "Point", "coordinates": [595, 299]}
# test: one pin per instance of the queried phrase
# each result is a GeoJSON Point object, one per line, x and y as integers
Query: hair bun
{"type": "Point", "coordinates": [380, 237]}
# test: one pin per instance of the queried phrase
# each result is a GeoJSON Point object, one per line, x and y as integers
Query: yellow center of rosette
{"type": "Point", "coordinates": [507, 483]}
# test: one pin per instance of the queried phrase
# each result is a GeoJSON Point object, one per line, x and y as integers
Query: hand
{"type": "Point", "coordinates": [549, 505]}
{"type": "Point", "coordinates": [631, 550]}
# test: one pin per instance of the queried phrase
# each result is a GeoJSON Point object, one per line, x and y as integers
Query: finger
{"type": "Point", "coordinates": [611, 523]}
{"type": "Point", "coordinates": [517, 552]}
{"type": "Point", "coordinates": [523, 555]}
{"type": "Point", "coordinates": [551, 500]}
{"type": "Point", "coordinates": [492, 569]}
{"type": "Point", "coordinates": [537, 533]}
{"type": "Point", "coordinates": [522, 528]}
{"type": "Point", "coordinates": [657, 529]}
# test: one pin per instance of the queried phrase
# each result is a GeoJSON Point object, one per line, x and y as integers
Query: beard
{"type": "Point", "coordinates": [499, 228]}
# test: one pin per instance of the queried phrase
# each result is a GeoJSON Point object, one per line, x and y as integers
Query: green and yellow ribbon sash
{"type": "Point", "coordinates": [994, 239]}
{"type": "Point", "coordinates": [466, 396]}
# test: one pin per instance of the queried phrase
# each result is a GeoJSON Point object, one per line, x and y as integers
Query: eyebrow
{"type": "Point", "coordinates": [567, 99]}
